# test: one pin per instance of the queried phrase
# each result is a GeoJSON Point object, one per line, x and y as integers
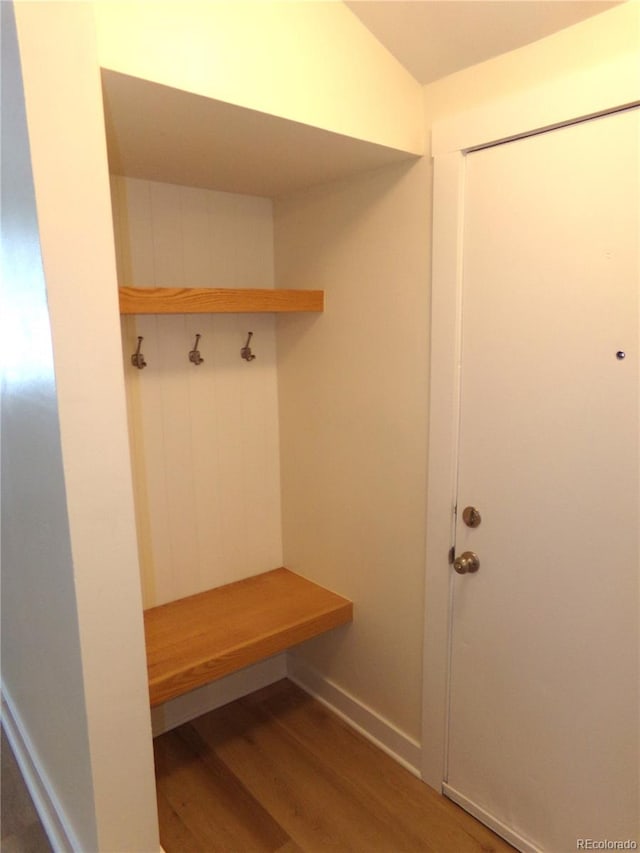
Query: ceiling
{"type": "Point", "coordinates": [433, 38]}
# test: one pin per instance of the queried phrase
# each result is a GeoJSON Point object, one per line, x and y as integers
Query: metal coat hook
{"type": "Point", "coordinates": [137, 359]}
{"type": "Point", "coordinates": [245, 352]}
{"type": "Point", "coordinates": [194, 354]}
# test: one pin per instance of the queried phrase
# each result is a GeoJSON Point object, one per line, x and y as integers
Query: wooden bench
{"type": "Point", "coordinates": [198, 639]}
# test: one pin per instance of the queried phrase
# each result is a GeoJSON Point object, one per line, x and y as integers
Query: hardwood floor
{"type": "Point", "coordinates": [276, 771]}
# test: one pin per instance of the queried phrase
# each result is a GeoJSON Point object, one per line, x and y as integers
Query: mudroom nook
{"type": "Point", "coordinates": [277, 276]}
{"type": "Point", "coordinates": [196, 263]}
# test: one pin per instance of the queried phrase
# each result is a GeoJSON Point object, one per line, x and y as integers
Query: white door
{"type": "Point", "coordinates": [544, 717]}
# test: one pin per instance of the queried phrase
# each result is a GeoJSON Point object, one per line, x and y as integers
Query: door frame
{"type": "Point", "coordinates": [573, 97]}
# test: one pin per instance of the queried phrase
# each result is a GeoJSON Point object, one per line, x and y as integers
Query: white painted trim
{"type": "Point", "coordinates": [395, 743]}
{"type": "Point", "coordinates": [584, 93]}
{"type": "Point", "coordinates": [52, 816]}
{"type": "Point", "coordinates": [211, 696]}
{"type": "Point", "coordinates": [517, 841]}
{"type": "Point", "coordinates": [448, 186]}
{"type": "Point", "coordinates": [598, 90]}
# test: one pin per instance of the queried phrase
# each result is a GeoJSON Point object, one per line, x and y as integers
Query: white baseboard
{"type": "Point", "coordinates": [184, 708]}
{"type": "Point", "coordinates": [489, 820]}
{"type": "Point", "coordinates": [51, 814]}
{"type": "Point", "coordinates": [375, 728]}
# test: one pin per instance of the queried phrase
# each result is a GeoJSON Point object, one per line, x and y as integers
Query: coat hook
{"type": "Point", "coordinates": [137, 359]}
{"type": "Point", "coordinates": [194, 355]}
{"type": "Point", "coordinates": [245, 352]}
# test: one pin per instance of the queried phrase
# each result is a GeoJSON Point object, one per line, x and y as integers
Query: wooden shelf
{"type": "Point", "coordinates": [204, 300]}
{"type": "Point", "coordinates": [198, 639]}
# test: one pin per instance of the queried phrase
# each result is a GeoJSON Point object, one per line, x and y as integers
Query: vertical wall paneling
{"type": "Point", "coordinates": [175, 415]}
{"type": "Point", "coordinates": [260, 433]}
{"type": "Point", "coordinates": [205, 439]}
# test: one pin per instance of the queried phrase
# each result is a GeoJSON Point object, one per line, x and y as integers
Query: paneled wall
{"type": "Point", "coordinates": [204, 439]}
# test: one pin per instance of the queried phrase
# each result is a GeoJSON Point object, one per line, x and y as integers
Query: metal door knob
{"type": "Point", "coordinates": [466, 562]}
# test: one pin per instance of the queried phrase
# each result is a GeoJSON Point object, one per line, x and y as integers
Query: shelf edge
{"type": "Point", "coordinates": [172, 300]}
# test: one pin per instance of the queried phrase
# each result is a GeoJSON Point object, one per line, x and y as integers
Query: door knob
{"type": "Point", "coordinates": [466, 562]}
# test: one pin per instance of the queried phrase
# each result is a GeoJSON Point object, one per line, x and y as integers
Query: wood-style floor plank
{"type": "Point", "coordinates": [383, 785]}
{"type": "Point", "coordinates": [215, 809]}
{"type": "Point", "coordinates": [277, 771]}
{"type": "Point", "coordinates": [173, 826]}
{"type": "Point", "coordinates": [317, 808]}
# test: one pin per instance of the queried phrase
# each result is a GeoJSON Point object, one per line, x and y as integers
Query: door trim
{"type": "Point", "coordinates": [584, 93]}
{"type": "Point", "coordinates": [517, 841]}
{"type": "Point", "coordinates": [580, 95]}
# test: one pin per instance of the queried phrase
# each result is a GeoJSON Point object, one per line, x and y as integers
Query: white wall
{"type": "Point", "coordinates": [66, 136]}
{"type": "Point", "coordinates": [205, 439]}
{"type": "Point", "coordinates": [42, 679]}
{"type": "Point", "coordinates": [600, 39]}
{"type": "Point", "coordinates": [353, 423]}
{"type": "Point", "coordinates": [311, 62]}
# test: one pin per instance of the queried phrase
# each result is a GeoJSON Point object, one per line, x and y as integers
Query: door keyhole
{"type": "Point", "coordinates": [471, 516]}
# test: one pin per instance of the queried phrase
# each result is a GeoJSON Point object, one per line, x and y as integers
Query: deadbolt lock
{"type": "Point", "coordinates": [471, 516]}
{"type": "Point", "coordinates": [466, 562]}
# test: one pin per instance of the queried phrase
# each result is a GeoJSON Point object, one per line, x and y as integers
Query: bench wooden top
{"type": "Point", "coordinates": [198, 639]}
